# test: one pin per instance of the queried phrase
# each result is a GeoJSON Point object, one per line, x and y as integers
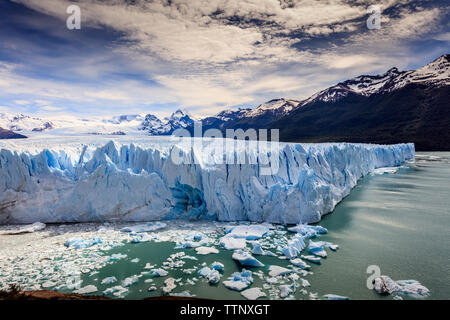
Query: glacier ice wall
{"type": "Point", "coordinates": [81, 179]}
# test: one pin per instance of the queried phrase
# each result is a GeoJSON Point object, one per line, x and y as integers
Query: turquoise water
{"type": "Point", "coordinates": [399, 222]}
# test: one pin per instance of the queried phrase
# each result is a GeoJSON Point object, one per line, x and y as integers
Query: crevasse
{"type": "Point", "coordinates": [74, 179]}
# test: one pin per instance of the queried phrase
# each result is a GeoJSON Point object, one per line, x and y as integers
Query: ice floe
{"type": "Point", "coordinates": [275, 271]}
{"type": "Point", "coordinates": [385, 285]}
{"type": "Point", "coordinates": [86, 290]}
{"type": "Point", "coordinates": [238, 281]}
{"type": "Point", "coordinates": [206, 250]}
{"type": "Point", "coordinates": [109, 280]}
{"type": "Point", "coordinates": [335, 297]}
{"type": "Point", "coordinates": [246, 259]}
{"type": "Point", "coordinates": [253, 293]}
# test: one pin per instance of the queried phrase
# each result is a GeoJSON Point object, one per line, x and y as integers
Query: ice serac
{"type": "Point", "coordinates": [79, 179]}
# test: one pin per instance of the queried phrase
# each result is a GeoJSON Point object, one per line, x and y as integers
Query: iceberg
{"type": "Point", "coordinates": [331, 296]}
{"type": "Point", "coordinates": [385, 285]}
{"type": "Point", "coordinates": [253, 293]}
{"type": "Point", "coordinates": [159, 272]}
{"type": "Point", "coordinates": [135, 179]}
{"type": "Point", "coordinates": [248, 232]}
{"type": "Point", "coordinates": [212, 275]}
{"type": "Point", "coordinates": [206, 250]}
{"type": "Point", "coordinates": [86, 290]}
{"type": "Point", "coordinates": [275, 271]}
{"type": "Point", "coordinates": [300, 263]}
{"type": "Point", "coordinates": [148, 227]}
{"type": "Point", "coordinates": [246, 259]}
{"type": "Point", "coordinates": [294, 247]}
{"type": "Point", "coordinates": [231, 243]}
{"type": "Point", "coordinates": [307, 231]}
{"type": "Point", "coordinates": [239, 281]}
{"type": "Point", "coordinates": [109, 280]}
{"type": "Point", "coordinates": [78, 243]}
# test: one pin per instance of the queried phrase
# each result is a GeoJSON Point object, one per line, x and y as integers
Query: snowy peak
{"type": "Point", "coordinates": [436, 73]}
{"type": "Point", "coordinates": [126, 118]}
{"type": "Point", "coordinates": [231, 114]}
{"type": "Point", "coordinates": [155, 126]}
{"type": "Point", "coordinates": [24, 123]}
{"type": "Point", "coordinates": [275, 106]}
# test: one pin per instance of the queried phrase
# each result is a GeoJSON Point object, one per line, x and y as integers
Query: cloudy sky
{"type": "Point", "coordinates": [136, 56]}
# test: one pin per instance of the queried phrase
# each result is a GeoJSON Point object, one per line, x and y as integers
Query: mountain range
{"type": "Point", "coordinates": [397, 106]}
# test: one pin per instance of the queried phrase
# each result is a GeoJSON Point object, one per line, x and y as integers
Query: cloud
{"type": "Point", "coordinates": [207, 54]}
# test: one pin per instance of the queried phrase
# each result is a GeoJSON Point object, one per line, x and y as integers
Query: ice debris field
{"type": "Point", "coordinates": [119, 260]}
{"type": "Point", "coordinates": [94, 179]}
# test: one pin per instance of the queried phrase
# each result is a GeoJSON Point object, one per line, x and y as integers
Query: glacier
{"type": "Point", "coordinates": [96, 179]}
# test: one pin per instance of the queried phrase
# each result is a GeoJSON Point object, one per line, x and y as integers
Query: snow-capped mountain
{"type": "Point", "coordinates": [24, 123]}
{"type": "Point", "coordinates": [8, 134]}
{"type": "Point", "coordinates": [366, 101]}
{"type": "Point", "coordinates": [155, 126]}
{"type": "Point", "coordinates": [436, 73]}
{"type": "Point", "coordinates": [276, 107]}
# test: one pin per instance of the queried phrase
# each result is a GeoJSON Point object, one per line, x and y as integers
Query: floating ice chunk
{"type": "Point", "coordinates": [185, 293]}
{"type": "Point", "coordinates": [141, 237]}
{"type": "Point", "coordinates": [217, 266]}
{"type": "Point", "coordinates": [117, 291]}
{"type": "Point", "coordinates": [275, 271]}
{"type": "Point", "coordinates": [149, 266]}
{"type": "Point", "coordinates": [78, 243]}
{"type": "Point", "coordinates": [109, 280]}
{"type": "Point", "coordinates": [413, 288]}
{"type": "Point", "coordinates": [294, 247]}
{"type": "Point", "coordinates": [308, 231]}
{"type": "Point", "coordinates": [385, 170]}
{"type": "Point", "coordinates": [239, 280]}
{"type": "Point", "coordinates": [317, 249]}
{"type": "Point", "coordinates": [87, 289]}
{"type": "Point", "coordinates": [257, 248]}
{"type": "Point", "coordinates": [335, 297]}
{"type": "Point", "coordinates": [305, 283]}
{"type": "Point", "coordinates": [246, 259]}
{"type": "Point", "coordinates": [152, 288]}
{"type": "Point", "coordinates": [248, 232]}
{"type": "Point", "coordinates": [159, 272]}
{"type": "Point", "coordinates": [147, 227]}
{"type": "Point", "coordinates": [231, 243]}
{"type": "Point", "coordinates": [169, 285]}
{"type": "Point", "coordinates": [204, 272]}
{"type": "Point", "coordinates": [300, 263]}
{"type": "Point", "coordinates": [130, 281]}
{"type": "Point", "coordinates": [312, 259]}
{"type": "Point", "coordinates": [385, 285]}
{"type": "Point", "coordinates": [285, 290]}
{"type": "Point", "coordinates": [37, 226]}
{"type": "Point", "coordinates": [206, 250]}
{"type": "Point", "coordinates": [48, 284]}
{"type": "Point", "coordinates": [293, 277]}
{"type": "Point", "coordinates": [253, 293]}
{"type": "Point", "coordinates": [117, 257]}
{"type": "Point", "coordinates": [135, 260]}
{"type": "Point", "coordinates": [212, 275]}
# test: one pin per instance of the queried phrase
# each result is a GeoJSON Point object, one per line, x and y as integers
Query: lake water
{"type": "Point", "coordinates": [399, 222]}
